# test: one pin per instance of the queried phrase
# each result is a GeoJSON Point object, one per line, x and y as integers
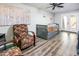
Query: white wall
{"type": "Point", "coordinates": [58, 17]}
{"type": "Point", "coordinates": [38, 16]}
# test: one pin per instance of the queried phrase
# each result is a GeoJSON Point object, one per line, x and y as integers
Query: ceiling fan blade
{"type": "Point", "coordinates": [60, 3]}
{"type": "Point", "coordinates": [53, 4]}
{"type": "Point", "coordinates": [60, 6]}
{"type": "Point", "coordinates": [53, 8]}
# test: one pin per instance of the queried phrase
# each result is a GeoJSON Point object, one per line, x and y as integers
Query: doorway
{"type": "Point", "coordinates": [69, 23]}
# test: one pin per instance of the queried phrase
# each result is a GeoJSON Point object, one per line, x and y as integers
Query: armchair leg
{"type": "Point", "coordinates": [34, 44]}
{"type": "Point", "coordinates": [34, 40]}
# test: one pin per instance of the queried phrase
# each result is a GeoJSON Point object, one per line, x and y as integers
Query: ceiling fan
{"type": "Point", "coordinates": [54, 5]}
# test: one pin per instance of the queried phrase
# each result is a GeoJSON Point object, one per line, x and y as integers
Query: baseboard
{"type": "Point", "coordinates": [68, 31]}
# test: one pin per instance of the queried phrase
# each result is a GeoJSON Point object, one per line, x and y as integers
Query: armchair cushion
{"type": "Point", "coordinates": [27, 41]}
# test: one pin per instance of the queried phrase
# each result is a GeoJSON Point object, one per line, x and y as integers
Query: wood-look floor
{"type": "Point", "coordinates": [63, 44]}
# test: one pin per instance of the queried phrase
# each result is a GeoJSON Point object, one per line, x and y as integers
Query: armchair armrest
{"type": "Point", "coordinates": [33, 34]}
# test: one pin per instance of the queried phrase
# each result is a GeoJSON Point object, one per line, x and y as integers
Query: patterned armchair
{"type": "Point", "coordinates": [21, 38]}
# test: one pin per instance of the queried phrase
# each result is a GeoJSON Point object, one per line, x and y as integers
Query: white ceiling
{"type": "Point", "coordinates": [67, 7]}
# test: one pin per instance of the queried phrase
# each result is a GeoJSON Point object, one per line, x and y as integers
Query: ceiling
{"type": "Point", "coordinates": [67, 7]}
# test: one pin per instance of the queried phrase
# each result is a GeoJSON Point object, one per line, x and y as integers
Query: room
{"type": "Point", "coordinates": [39, 29]}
